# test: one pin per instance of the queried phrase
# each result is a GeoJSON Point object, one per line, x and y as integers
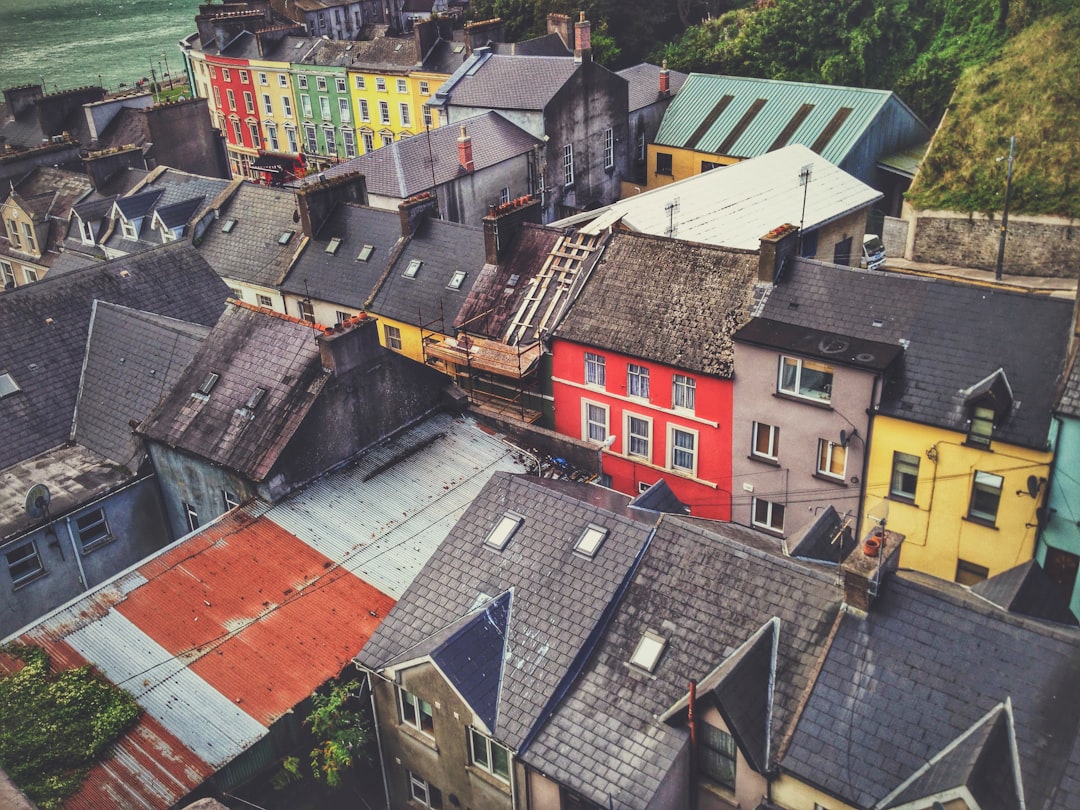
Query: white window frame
{"type": "Point", "coordinates": [31, 273]}
{"type": "Point", "coordinates": [359, 82]}
{"type": "Point", "coordinates": [25, 553]}
{"type": "Point", "coordinates": [638, 436]}
{"type": "Point", "coordinates": [674, 450]}
{"type": "Point", "coordinates": [301, 81]}
{"type": "Point", "coordinates": [320, 84]}
{"type": "Point", "coordinates": [637, 381]}
{"type": "Point", "coordinates": [282, 80]}
{"type": "Point", "coordinates": [482, 751]}
{"type": "Point", "coordinates": [393, 336]}
{"type": "Point", "coordinates": [828, 453]}
{"type": "Point", "coordinates": [904, 465]}
{"type": "Point", "coordinates": [767, 435]}
{"type": "Point", "coordinates": [7, 275]}
{"type": "Point", "coordinates": [568, 165]}
{"type": "Point", "coordinates": [305, 311]}
{"type": "Point", "coordinates": [93, 530]}
{"type": "Point", "coordinates": [424, 89]}
{"type": "Point", "coordinates": [294, 142]}
{"type": "Point", "coordinates": [986, 482]}
{"type": "Point", "coordinates": [229, 500]}
{"type": "Point", "coordinates": [683, 390]}
{"type": "Point", "coordinates": [324, 108]}
{"type": "Point", "coordinates": [231, 96]}
{"type": "Point", "coordinates": [408, 703]}
{"type": "Point", "coordinates": [305, 106]}
{"type": "Point", "coordinates": [609, 148]}
{"type": "Point", "coordinates": [226, 74]}
{"type": "Point", "coordinates": [249, 102]}
{"type": "Point", "coordinates": [406, 116]}
{"type": "Point", "coordinates": [272, 136]}
{"type": "Point", "coordinates": [592, 428]}
{"type": "Point", "coordinates": [773, 515]}
{"type": "Point", "coordinates": [330, 136]}
{"type": "Point", "coordinates": [344, 110]}
{"type": "Point", "coordinates": [263, 79]}
{"type": "Point", "coordinates": [268, 104]}
{"type": "Point", "coordinates": [340, 84]}
{"type": "Point", "coordinates": [368, 139]}
{"type": "Point", "coordinates": [348, 139]}
{"type": "Point", "coordinates": [380, 84]}
{"type": "Point", "coordinates": [129, 230]}
{"type": "Point", "coordinates": [244, 77]}
{"type": "Point", "coordinates": [86, 231]}
{"type": "Point", "coordinates": [286, 106]}
{"type": "Point", "coordinates": [595, 369]}
{"type": "Point", "coordinates": [264, 301]}
{"type": "Point", "coordinates": [384, 113]}
{"type": "Point", "coordinates": [424, 793]}
{"type": "Point", "coordinates": [794, 386]}
{"type": "Point", "coordinates": [191, 514]}
{"type": "Point", "coordinates": [311, 139]}
{"type": "Point", "coordinates": [364, 112]}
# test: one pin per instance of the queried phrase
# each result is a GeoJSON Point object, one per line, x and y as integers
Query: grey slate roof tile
{"type": "Point", "coordinates": [512, 82]}
{"type": "Point", "coordinates": [696, 297]}
{"type": "Point", "coordinates": [644, 82]}
{"type": "Point", "coordinates": [957, 335]}
{"type": "Point", "coordinates": [45, 327]}
{"type": "Point", "coordinates": [1068, 403]}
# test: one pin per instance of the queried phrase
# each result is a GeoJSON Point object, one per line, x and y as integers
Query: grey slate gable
{"type": "Point", "coordinates": [957, 334]}
{"type": "Point", "coordinates": [45, 327]}
{"type": "Point", "coordinates": [703, 588]}
{"type": "Point", "coordinates": [695, 298]}
{"type": "Point", "coordinates": [341, 278]}
{"type": "Point", "coordinates": [925, 665]}
{"type": "Point", "coordinates": [509, 82]}
{"type": "Point", "coordinates": [559, 595]}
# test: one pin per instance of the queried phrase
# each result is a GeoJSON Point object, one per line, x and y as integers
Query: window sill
{"type": "Point", "coordinates": [87, 549]}
{"type": "Point", "coordinates": [418, 736]}
{"type": "Point", "coordinates": [840, 482]}
{"type": "Point", "coordinates": [902, 499]}
{"type": "Point", "coordinates": [721, 792]}
{"type": "Point", "coordinates": [772, 462]}
{"type": "Point", "coordinates": [978, 521]}
{"type": "Point", "coordinates": [814, 403]}
{"type": "Point", "coordinates": [22, 583]}
{"type": "Point", "coordinates": [767, 529]}
{"type": "Point", "coordinates": [488, 779]}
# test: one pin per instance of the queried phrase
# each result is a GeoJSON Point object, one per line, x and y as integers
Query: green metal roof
{"type": "Point", "coordinates": [744, 118]}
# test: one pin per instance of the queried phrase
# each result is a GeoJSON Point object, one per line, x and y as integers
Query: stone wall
{"type": "Point", "coordinates": [1035, 246]}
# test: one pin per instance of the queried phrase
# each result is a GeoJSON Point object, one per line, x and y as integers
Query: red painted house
{"type": "Point", "coordinates": [643, 363]}
{"type": "Point", "coordinates": [235, 109]}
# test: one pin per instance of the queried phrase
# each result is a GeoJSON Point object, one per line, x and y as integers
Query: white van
{"type": "Point", "coordinates": [873, 252]}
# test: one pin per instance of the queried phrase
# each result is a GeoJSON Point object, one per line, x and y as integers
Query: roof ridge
{"type": "Point", "coordinates": [315, 327]}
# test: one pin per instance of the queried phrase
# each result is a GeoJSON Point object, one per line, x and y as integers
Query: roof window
{"type": "Point", "coordinates": [8, 385]}
{"type": "Point", "coordinates": [209, 382]}
{"type": "Point", "coordinates": [457, 280]}
{"type": "Point", "coordinates": [333, 245]}
{"type": "Point", "coordinates": [591, 539]}
{"type": "Point", "coordinates": [228, 226]}
{"type": "Point", "coordinates": [648, 651]}
{"type": "Point", "coordinates": [499, 536]}
{"type": "Point", "coordinates": [365, 253]}
{"type": "Point", "coordinates": [413, 268]}
{"type": "Point", "coordinates": [256, 397]}
{"type": "Point", "coordinates": [285, 237]}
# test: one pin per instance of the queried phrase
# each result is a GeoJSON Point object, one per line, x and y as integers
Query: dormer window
{"type": "Point", "coordinates": [129, 229]}
{"type": "Point", "coordinates": [648, 651]}
{"type": "Point", "coordinates": [208, 383]}
{"type": "Point", "coordinates": [981, 426]}
{"type": "Point", "coordinates": [591, 539]}
{"type": "Point", "coordinates": [988, 403]}
{"type": "Point", "coordinates": [86, 231]}
{"type": "Point", "coordinates": [500, 535]}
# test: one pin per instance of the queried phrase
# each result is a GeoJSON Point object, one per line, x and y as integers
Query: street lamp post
{"type": "Point", "coordinates": [167, 73]}
{"type": "Point", "coordinates": [1005, 210]}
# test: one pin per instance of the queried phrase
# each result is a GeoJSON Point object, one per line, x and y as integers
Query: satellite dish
{"type": "Point", "coordinates": [880, 513]}
{"type": "Point", "coordinates": [1033, 486]}
{"type": "Point", "coordinates": [37, 501]}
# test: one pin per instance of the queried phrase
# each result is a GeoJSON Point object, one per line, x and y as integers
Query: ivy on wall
{"type": "Point", "coordinates": [55, 726]}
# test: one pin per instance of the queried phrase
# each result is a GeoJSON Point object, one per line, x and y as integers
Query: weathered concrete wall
{"type": "Point", "coordinates": [1035, 246]}
{"type": "Point", "coordinates": [894, 235]}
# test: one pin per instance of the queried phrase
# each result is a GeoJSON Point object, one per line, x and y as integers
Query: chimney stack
{"type": "Point", "coordinates": [464, 151]}
{"type": "Point", "coordinates": [583, 40]}
{"type": "Point", "coordinates": [865, 567]}
{"type": "Point", "coordinates": [560, 24]}
{"type": "Point", "coordinates": [665, 79]}
{"type": "Point", "coordinates": [21, 98]}
{"type": "Point", "coordinates": [316, 201]}
{"type": "Point", "coordinates": [777, 247]}
{"type": "Point", "coordinates": [504, 221]}
{"type": "Point", "coordinates": [478, 34]}
{"type": "Point", "coordinates": [350, 345]}
{"type": "Point", "coordinates": [416, 209]}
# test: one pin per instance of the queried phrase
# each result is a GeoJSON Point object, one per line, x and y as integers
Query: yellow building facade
{"type": "Point", "coordinates": [276, 103]}
{"type": "Point", "coordinates": [666, 164]}
{"type": "Point", "coordinates": [26, 239]}
{"type": "Point", "coordinates": [967, 511]}
{"type": "Point", "coordinates": [389, 106]}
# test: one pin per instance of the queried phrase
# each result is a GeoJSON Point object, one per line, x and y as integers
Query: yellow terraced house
{"type": "Point", "coordinates": [277, 114]}
{"type": "Point", "coordinates": [389, 106]}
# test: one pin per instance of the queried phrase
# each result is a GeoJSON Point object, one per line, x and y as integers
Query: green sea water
{"type": "Point", "coordinates": [72, 43]}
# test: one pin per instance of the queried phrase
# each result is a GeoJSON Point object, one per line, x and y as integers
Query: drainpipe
{"type": "Point", "coordinates": [75, 550]}
{"type": "Point", "coordinates": [378, 737]}
{"type": "Point", "coordinates": [875, 393]}
{"type": "Point", "coordinates": [691, 712]}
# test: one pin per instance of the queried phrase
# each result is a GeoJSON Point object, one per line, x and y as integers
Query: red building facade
{"type": "Point", "coordinates": [236, 111]}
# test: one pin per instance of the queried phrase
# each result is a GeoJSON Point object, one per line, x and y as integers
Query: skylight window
{"type": "Point", "coordinates": [513, 280]}
{"type": "Point", "coordinates": [8, 385]}
{"type": "Point", "coordinates": [365, 253]}
{"type": "Point", "coordinates": [591, 539]}
{"type": "Point", "coordinates": [256, 397]}
{"type": "Point", "coordinates": [457, 280]}
{"type": "Point", "coordinates": [208, 383]}
{"type": "Point", "coordinates": [285, 237]}
{"type": "Point", "coordinates": [333, 245]}
{"type": "Point", "coordinates": [648, 651]}
{"type": "Point", "coordinates": [504, 530]}
{"type": "Point", "coordinates": [412, 269]}
{"type": "Point", "coordinates": [228, 226]}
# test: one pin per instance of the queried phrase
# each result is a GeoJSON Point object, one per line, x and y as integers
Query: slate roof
{"type": "Point", "coordinates": [500, 82]}
{"type": "Point", "coordinates": [445, 248]}
{"type": "Point", "coordinates": [45, 327]}
{"type": "Point", "coordinates": [250, 251]}
{"type": "Point", "coordinates": [407, 167]}
{"type": "Point", "coordinates": [1068, 403]}
{"type": "Point", "coordinates": [927, 663]}
{"type": "Point", "coordinates": [132, 360]}
{"type": "Point", "coordinates": [66, 188]}
{"type": "Point", "coordinates": [249, 348]}
{"type": "Point", "coordinates": [956, 335]}
{"type": "Point", "coordinates": [736, 205]}
{"type": "Point", "coordinates": [1027, 589]}
{"type": "Point", "coordinates": [697, 296]}
{"type": "Point", "coordinates": [341, 277]}
{"type": "Point", "coordinates": [716, 114]}
{"type": "Point", "coordinates": [128, 126]}
{"type": "Point", "coordinates": [546, 45]}
{"type": "Point", "coordinates": [829, 539]}
{"type": "Point", "coordinates": [558, 595]}
{"type": "Point", "coordinates": [746, 588]}
{"type": "Point", "coordinates": [644, 82]}
{"type": "Point", "coordinates": [170, 191]}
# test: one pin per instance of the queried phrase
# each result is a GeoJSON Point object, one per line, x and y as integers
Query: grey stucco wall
{"type": "Point", "coordinates": [186, 479]}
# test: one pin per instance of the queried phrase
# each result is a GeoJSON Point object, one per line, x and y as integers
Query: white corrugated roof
{"type": "Point", "coordinates": [734, 206]}
{"type": "Point", "coordinates": [384, 524]}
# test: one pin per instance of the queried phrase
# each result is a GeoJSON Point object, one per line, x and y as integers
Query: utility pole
{"type": "Point", "coordinates": [1005, 211]}
{"type": "Point", "coordinates": [805, 173]}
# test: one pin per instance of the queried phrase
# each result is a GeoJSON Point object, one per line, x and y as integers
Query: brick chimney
{"type": "Point", "coordinates": [478, 34]}
{"type": "Point", "coordinates": [665, 79]}
{"type": "Point", "coordinates": [316, 201]}
{"type": "Point", "coordinates": [503, 222]}
{"type": "Point", "coordinates": [351, 345]}
{"type": "Point", "coordinates": [413, 211]}
{"type": "Point", "coordinates": [865, 568]}
{"type": "Point", "coordinates": [560, 24]}
{"type": "Point", "coordinates": [583, 40]}
{"type": "Point", "coordinates": [777, 247]}
{"type": "Point", "coordinates": [464, 151]}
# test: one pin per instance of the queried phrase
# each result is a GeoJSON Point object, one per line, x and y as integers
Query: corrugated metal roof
{"type": "Point", "coordinates": [783, 101]}
{"type": "Point", "coordinates": [734, 206]}
{"type": "Point", "coordinates": [383, 522]}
